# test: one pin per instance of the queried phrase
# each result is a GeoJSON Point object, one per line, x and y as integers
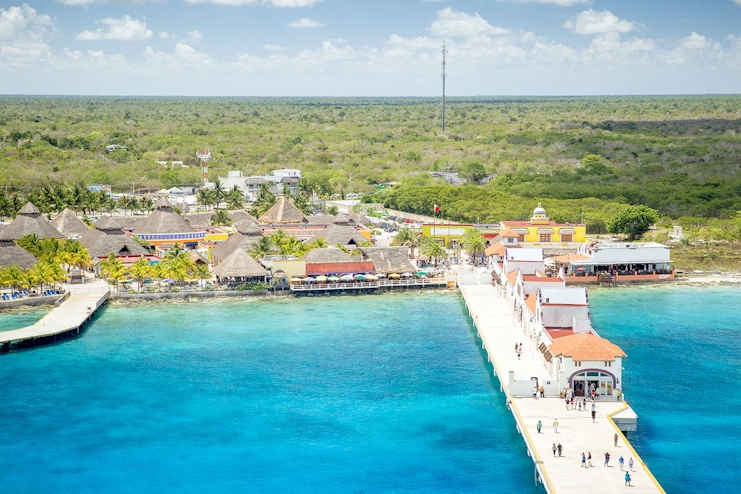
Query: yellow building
{"type": "Point", "coordinates": [449, 234]}
{"type": "Point", "coordinates": [541, 229]}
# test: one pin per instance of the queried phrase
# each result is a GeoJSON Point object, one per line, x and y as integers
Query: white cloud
{"type": "Point", "coordinates": [123, 29]}
{"type": "Point", "coordinates": [270, 47]}
{"type": "Point", "coordinates": [16, 19]}
{"type": "Point", "coordinates": [86, 3]}
{"type": "Point", "coordinates": [453, 23]}
{"type": "Point", "coordinates": [306, 22]}
{"type": "Point", "coordinates": [271, 3]}
{"type": "Point", "coordinates": [598, 22]}
{"type": "Point", "coordinates": [195, 35]}
{"type": "Point", "coordinates": [695, 42]}
{"type": "Point", "coordinates": [184, 56]}
{"type": "Point", "coordinates": [163, 35]}
{"type": "Point", "coordinates": [561, 3]}
{"type": "Point", "coordinates": [737, 2]}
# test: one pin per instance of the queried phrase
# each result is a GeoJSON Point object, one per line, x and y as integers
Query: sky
{"type": "Point", "coordinates": [369, 48]}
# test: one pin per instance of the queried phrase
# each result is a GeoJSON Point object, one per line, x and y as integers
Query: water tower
{"type": "Point", "coordinates": [204, 155]}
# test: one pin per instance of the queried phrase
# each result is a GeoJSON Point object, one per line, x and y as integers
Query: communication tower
{"type": "Point", "coordinates": [204, 155]}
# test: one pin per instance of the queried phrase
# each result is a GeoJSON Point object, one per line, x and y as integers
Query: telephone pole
{"type": "Point", "coordinates": [444, 75]}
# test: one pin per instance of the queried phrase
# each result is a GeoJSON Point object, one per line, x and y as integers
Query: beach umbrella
{"type": "Point", "coordinates": [334, 278]}
{"type": "Point", "coordinates": [297, 279]}
{"type": "Point", "coordinates": [381, 275]}
{"type": "Point", "coordinates": [581, 268]}
{"type": "Point", "coordinates": [395, 276]}
{"type": "Point", "coordinates": [422, 274]}
{"type": "Point", "coordinates": [360, 277]}
{"type": "Point", "coordinates": [321, 278]}
{"type": "Point", "coordinates": [371, 277]}
{"type": "Point", "coordinates": [147, 282]}
{"type": "Point", "coordinates": [309, 279]}
{"type": "Point", "coordinates": [347, 277]}
{"type": "Point", "coordinates": [406, 275]}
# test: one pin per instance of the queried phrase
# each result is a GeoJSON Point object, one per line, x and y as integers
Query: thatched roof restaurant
{"type": "Point", "coordinates": [69, 225]}
{"type": "Point", "coordinates": [334, 261]}
{"type": "Point", "coordinates": [389, 260]}
{"type": "Point", "coordinates": [13, 254]}
{"type": "Point", "coordinates": [248, 234]}
{"type": "Point", "coordinates": [343, 235]}
{"type": "Point", "coordinates": [165, 226]}
{"type": "Point", "coordinates": [107, 237]}
{"type": "Point", "coordinates": [283, 213]}
{"type": "Point", "coordinates": [240, 267]}
{"type": "Point", "coordinates": [29, 221]}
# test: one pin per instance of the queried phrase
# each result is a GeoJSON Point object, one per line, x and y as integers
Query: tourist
{"type": "Point", "coordinates": [580, 405]}
{"type": "Point", "coordinates": [535, 392]}
{"type": "Point", "coordinates": [539, 426]}
{"type": "Point", "coordinates": [607, 460]}
{"type": "Point", "coordinates": [555, 426]}
{"type": "Point", "coordinates": [597, 393]}
{"type": "Point", "coordinates": [594, 415]}
{"type": "Point", "coordinates": [554, 450]}
{"type": "Point", "coordinates": [567, 403]}
{"type": "Point", "coordinates": [589, 459]}
{"type": "Point", "coordinates": [621, 462]}
{"type": "Point", "coordinates": [618, 395]}
{"type": "Point", "coordinates": [614, 439]}
{"type": "Point", "coordinates": [519, 352]}
{"type": "Point", "coordinates": [560, 449]}
{"type": "Point", "coordinates": [542, 392]}
{"type": "Point", "coordinates": [627, 478]}
{"type": "Point", "coordinates": [630, 463]}
{"type": "Point", "coordinates": [583, 460]}
{"type": "Point", "coordinates": [516, 347]}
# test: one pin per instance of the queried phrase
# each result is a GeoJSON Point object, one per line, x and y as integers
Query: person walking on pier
{"type": "Point", "coordinates": [542, 392]}
{"type": "Point", "coordinates": [627, 479]}
{"type": "Point", "coordinates": [519, 352]}
{"type": "Point", "coordinates": [535, 392]}
{"type": "Point", "coordinates": [594, 415]}
{"type": "Point", "coordinates": [589, 459]}
{"type": "Point", "coordinates": [607, 460]}
{"type": "Point", "coordinates": [621, 462]}
{"type": "Point", "coordinates": [630, 463]}
{"type": "Point", "coordinates": [554, 449]}
{"type": "Point", "coordinates": [555, 426]}
{"type": "Point", "coordinates": [539, 426]}
{"type": "Point", "coordinates": [583, 460]}
{"type": "Point", "coordinates": [560, 449]}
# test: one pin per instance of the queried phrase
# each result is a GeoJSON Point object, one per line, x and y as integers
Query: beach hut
{"type": "Point", "coordinates": [387, 260]}
{"type": "Point", "coordinates": [69, 225]}
{"type": "Point", "coordinates": [347, 236]}
{"type": "Point", "coordinates": [13, 254]}
{"type": "Point", "coordinates": [248, 234]}
{"type": "Point", "coordinates": [283, 212]}
{"type": "Point", "coordinates": [240, 267]}
{"type": "Point", "coordinates": [30, 222]}
{"type": "Point", "coordinates": [107, 237]}
{"type": "Point", "coordinates": [165, 226]}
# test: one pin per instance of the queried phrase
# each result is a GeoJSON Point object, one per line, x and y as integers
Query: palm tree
{"type": "Point", "coordinates": [264, 201]}
{"type": "Point", "coordinates": [205, 197]}
{"type": "Point", "coordinates": [219, 193]}
{"type": "Point", "coordinates": [202, 272]}
{"type": "Point", "coordinates": [159, 272]}
{"type": "Point", "coordinates": [140, 271]}
{"type": "Point", "coordinates": [306, 188]}
{"type": "Point", "coordinates": [113, 268]}
{"type": "Point", "coordinates": [263, 247]}
{"type": "Point", "coordinates": [146, 204]}
{"type": "Point", "coordinates": [318, 243]}
{"type": "Point", "coordinates": [221, 218]}
{"type": "Point", "coordinates": [407, 237]}
{"type": "Point", "coordinates": [433, 249]}
{"type": "Point", "coordinates": [474, 243]}
{"type": "Point", "coordinates": [235, 199]}
{"type": "Point", "coordinates": [279, 237]}
{"type": "Point", "coordinates": [30, 243]}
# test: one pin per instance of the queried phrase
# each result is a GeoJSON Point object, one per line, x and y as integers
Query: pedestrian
{"type": "Point", "coordinates": [539, 426]}
{"type": "Point", "coordinates": [593, 394]}
{"type": "Point", "coordinates": [593, 406]}
{"type": "Point", "coordinates": [554, 449]}
{"type": "Point", "coordinates": [519, 352]}
{"type": "Point", "coordinates": [621, 462]}
{"type": "Point", "coordinates": [535, 392]}
{"type": "Point", "coordinates": [583, 460]}
{"type": "Point", "coordinates": [627, 478]}
{"type": "Point", "coordinates": [542, 392]}
{"type": "Point", "coordinates": [579, 403]}
{"type": "Point", "coordinates": [614, 439]}
{"type": "Point", "coordinates": [560, 449]}
{"type": "Point", "coordinates": [572, 403]}
{"type": "Point", "coordinates": [516, 347]}
{"type": "Point", "coordinates": [567, 403]}
{"type": "Point", "coordinates": [618, 395]}
{"type": "Point", "coordinates": [607, 460]}
{"type": "Point", "coordinates": [589, 459]}
{"type": "Point", "coordinates": [597, 393]}
{"type": "Point", "coordinates": [555, 426]}
{"type": "Point", "coordinates": [594, 416]}
{"type": "Point", "coordinates": [630, 463]}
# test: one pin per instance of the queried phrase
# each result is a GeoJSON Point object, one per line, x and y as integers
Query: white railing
{"type": "Point", "coordinates": [305, 287]}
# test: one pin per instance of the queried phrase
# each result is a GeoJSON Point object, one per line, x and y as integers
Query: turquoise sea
{"type": "Point", "coordinates": [20, 318]}
{"type": "Point", "coordinates": [386, 393]}
{"type": "Point", "coordinates": [682, 377]}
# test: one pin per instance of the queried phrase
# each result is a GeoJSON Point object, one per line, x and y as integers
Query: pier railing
{"type": "Point", "coordinates": [355, 285]}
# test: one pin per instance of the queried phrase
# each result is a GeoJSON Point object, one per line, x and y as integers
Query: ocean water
{"type": "Point", "coordinates": [386, 393]}
{"type": "Point", "coordinates": [20, 318]}
{"type": "Point", "coordinates": [682, 376]}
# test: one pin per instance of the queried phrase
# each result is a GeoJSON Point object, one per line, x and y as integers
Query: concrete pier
{"type": "Point", "coordinates": [64, 321]}
{"type": "Point", "coordinates": [576, 432]}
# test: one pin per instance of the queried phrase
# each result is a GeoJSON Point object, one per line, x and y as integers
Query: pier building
{"type": "Point", "coordinates": [541, 230]}
{"type": "Point", "coordinates": [166, 227]}
{"type": "Point", "coordinates": [647, 261]}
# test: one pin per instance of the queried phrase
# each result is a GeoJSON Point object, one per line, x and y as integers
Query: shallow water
{"type": "Point", "coordinates": [682, 377]}
{"type": "Point", "coordinates": [352, 394]}
{"type": "Point", "coordinates": [20, 318]}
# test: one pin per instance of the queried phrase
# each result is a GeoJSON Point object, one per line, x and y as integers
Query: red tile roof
{"type": "Point", "coordinates": [586, 346]}
{"type": "Point", "coordinates": [531, 302]}
{"type": "Point", "coordinates": [559, 333]}
{"type": "Point", "coordinates": [546, 279]}
{"type": "Point", "coordinates": [512, 277]}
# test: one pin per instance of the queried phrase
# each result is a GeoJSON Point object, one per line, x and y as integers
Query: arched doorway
{"type": "Point", "coordinates": [582, 382]}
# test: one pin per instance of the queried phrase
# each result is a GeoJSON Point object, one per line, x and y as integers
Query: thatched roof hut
{"type": "Point", "coordinates": [69, 225]}
{"type": "Point", "coordinates": [164, 219]}
{"type": "Point", "coordinates": [13, 254]}
{"type": "Point", "coordinates": [389, 259]}
{"type": "Point", "coordinates": [343, 235]}
{"type": "Point", "coordinates": [283, 213]}
{"type": "Point", "coordinates": [29, 221]}
{"type": "Point", "coordinates": [197, 258]}
{"type": "Point", "coordinates": [325, 256]}
{"type": "Point", "coordinates": [109, 237]}
{"type": "Point", "coordinates": [240, 266]}
{"type": "Point", "coordinates": [202, 219]}
{"type": "Point", "coordinates": [248, 234]}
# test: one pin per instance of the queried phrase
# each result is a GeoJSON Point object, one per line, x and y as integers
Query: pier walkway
{"type": "Point", "coordinates": [65, 320]}
{"type": "Point", "coordinates": [576, 432]}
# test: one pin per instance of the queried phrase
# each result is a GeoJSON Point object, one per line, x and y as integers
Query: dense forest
{"type": "Point", "coordinates": [678, 155]}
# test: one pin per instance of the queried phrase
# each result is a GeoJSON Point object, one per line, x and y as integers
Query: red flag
{"type": "Point", "coordinates": [437, 209]}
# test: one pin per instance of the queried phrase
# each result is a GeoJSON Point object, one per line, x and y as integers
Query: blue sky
{"type": "Point", "coordinates": [369, 48]}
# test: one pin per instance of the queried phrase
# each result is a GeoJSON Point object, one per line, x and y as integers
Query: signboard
{"type": "Point", "coordinates": [99, 188]}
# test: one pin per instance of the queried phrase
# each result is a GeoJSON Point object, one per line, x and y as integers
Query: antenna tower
{"type": "Point", "coordinates": [444, 76]}
{"type": "Point", "coordinates": [204, 155]}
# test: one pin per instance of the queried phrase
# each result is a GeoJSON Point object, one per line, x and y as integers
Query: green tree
{"type": "Point", "coordinates": [432, 249]}
{"type": "Point", "coordinates": [473, 171]}
{"type": "Point", "coordinates": [262, 248]}
{"type": "Point", "coordinates": [633, 221]}
{"type": "Point", "coordinates": [202, 273]}
{"type": "Point", "coordinates": [474, 243]}
{"type": "Point", "coordinates": [407, 237]}
{"type": "Point", "coordinates": [235, 199]}
{"type": "Point", "coordinates": [221, 218]}
{"type": "Point", "coordinates": [140, 271]}
{"type": "Point", "coordinates": [113, 269]}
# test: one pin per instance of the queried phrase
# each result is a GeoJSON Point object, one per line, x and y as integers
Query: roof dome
{"type": "Point", "coordinates": [539, 210]}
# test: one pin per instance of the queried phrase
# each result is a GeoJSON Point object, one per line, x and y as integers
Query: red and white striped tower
{"type": "Point", "coordinates": [204, 155]}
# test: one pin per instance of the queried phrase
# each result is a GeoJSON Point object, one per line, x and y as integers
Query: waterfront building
{"type": "Point", "coordinates": [449, 234]}
{"type": "Point", "coordinates": [334, 261]}
{"type": "Point", "coordinates": [389, 260]}
{"type": "Point", "coordinates": [541, 230]}
{"type": "Point", "coordinates": [283, 212]}
{"type": "Point", "coordinates": [30, 222]}
{"type": "Point", "coordinates": [107, 237]}
{"type": "Point", "coordinates": [528, 260]}
{"type": "Point", "coordinates": [506, 239]}
{"type": "Point", "coordinates": [166, 227]}
{"type": "Point", "coordinates": [648, 261]}
{"type": "Point", "coordinates": [239, 267]}
{"type": "Point", "coordinates": [13, 254]}
{"type": "Point", "coordinates": [247, 234]}
{"type": "Point", "coordinates": [69, 225]}
{"type": "Point", "coordinates": [347, 236]}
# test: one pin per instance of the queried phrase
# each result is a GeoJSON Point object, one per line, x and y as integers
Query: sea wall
{"type": "Point", "coordinates": [194, 294]}
{"type": "Point", "coordinates": [29, 302]}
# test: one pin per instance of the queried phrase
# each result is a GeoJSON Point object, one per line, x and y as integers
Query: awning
{"type": "Point", "coordinates": [542, 231]}
{"type": "Point", "coordinates": [521, 231]}
{"type": "Point", "coordinates": [616, 263]}
{"type": "Point", "coordinates": [567, 231]}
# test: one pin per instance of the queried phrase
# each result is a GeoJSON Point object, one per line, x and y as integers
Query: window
{"type": "Point", "coordinates": [521, 237]}
{"type": "Point", "coordinates": [567, 237]}
{"type": "Point", "coordinates": [545, 237]}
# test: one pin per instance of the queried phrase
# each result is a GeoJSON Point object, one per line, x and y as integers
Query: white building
{"type": "Point", "coordinates": [626, 261]}
{"type": "Point", "coordinates": [277, 180]}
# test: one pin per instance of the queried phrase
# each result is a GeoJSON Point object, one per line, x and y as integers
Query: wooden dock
{"type": "Point", "coordinates": [367, 286]}
{"type": "Point", "coordinates": [577, 432]}
{"type": "Point", "coordinates": [64, 321]}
